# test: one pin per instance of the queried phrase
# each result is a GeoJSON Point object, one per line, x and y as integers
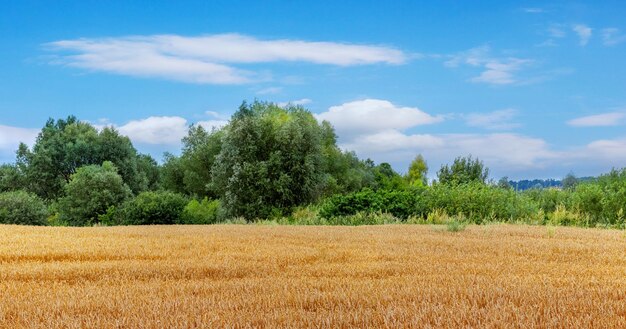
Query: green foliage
{"type": "Point", "coordinates": [203, 212]}
{"type": "Point", "coordinates": [23, 208]}
{"type": "Point", "coordinates": [90, 192]}
{"type": "Point", "coordinates": [270, 161]}
{"type": "Point", "coordinates": [464, 170]}
{"type": "Point", "coordinates": [11, 178]}
{"type": "Point", "coordinates": [388, 179]}
{"type": "Point", "coordinates": [63, 146]}
{"type": "Point", "coordinates": [150, 208]}
{"type": "Point", "coordinates": [418, 171]}
{"type": "Point", "coordinates": [455, 226]}
{"type": "Point", "coordinates": [191, 172]}
{"type": "Point", "coordinates": [400, 204]}
{"type": "Point", "coordinates": [569, 182]}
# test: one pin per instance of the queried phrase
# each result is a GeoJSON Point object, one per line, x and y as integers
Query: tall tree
{"type": "Point", "coordinates": [418, 171]}
{"type": "Point", "coordinates": [270, 161]}
{"type": "Point", "coordinates": [63, 146]}
{"type": "Point", "coordinates": [462, 171]}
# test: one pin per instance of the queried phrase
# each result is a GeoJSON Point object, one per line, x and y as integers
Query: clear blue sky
{"type": "Point", "coordinates": [535, 89]}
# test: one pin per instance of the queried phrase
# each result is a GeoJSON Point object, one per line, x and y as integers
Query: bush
{"type": "Point", "coordinates": [150, 208]}
{"type": "Point", "coordinates": [204, 212]}
{"type": "Point", "coordinates": [400, 204]}
{"type": "Point", "coordinates": [23, 208]}
{"type": "Point", "coordinates": [479, 202]}
{"type": "Point", "coordinates": [364, 218]}
{"type": "Point", "coordinates": [90, 193]}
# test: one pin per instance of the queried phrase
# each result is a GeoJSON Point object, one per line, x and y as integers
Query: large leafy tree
{"type": "Point", "coordinates": [191, 172]}
{"type": "Point", "coordinates": [92, 190]}
{"type": "Point", "coordinates": [63, 146]}
{"type": "Point", "coordinates": [463, 170]}
{"type": "Point", "coordinates": [270, 160]}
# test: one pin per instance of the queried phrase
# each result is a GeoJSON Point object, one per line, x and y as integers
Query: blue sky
{"type": "Point", "coordinates": [535, 89]}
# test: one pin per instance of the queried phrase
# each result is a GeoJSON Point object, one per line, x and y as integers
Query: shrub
{"type": "Point", "coordinates": [23, 208]}
{"type": "Point", "coordinates": [565, 217]}
{"type": "Point", "coordinates": [364, 218]}
{"type": "Point", "coordinates": [203, 212]}
{"type": "Point", "coordinates": [150, 208]}
{"type": "Point", "coordinates": [400, 204]}
{"type": "Point", "coordinates": [455, 226]}
{"type": "Point", "coordinates": [90, 193]}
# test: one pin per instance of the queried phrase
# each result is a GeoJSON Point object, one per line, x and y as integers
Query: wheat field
{"type": "Point", "coordinates": [239, 276]}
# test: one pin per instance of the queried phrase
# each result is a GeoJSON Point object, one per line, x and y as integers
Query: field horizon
{"type": "Point", "coordinates": [302, 276]}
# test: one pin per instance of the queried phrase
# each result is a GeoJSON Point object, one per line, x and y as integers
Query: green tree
{"type": "Point", "coordinates": [11, 178]}
{"type": "Point", "coordinates": [92, 190]}
{"type": "Point", "coordinates": [418, 171]}
{"type": "Point", "coordinates": [503, 183]}
{"type": "Point", "coordinates": [23, 208]}
{"type": "Point", "coordinates": [569, 182]}
{"type": "Point", "coordinates": [270, 161]}
{"type": "Point", "coordinates": [63, 146]}
{"type": "Point", "coordinates": [463, 170]}
{"type": "Point", "coordinates": [386, 178]}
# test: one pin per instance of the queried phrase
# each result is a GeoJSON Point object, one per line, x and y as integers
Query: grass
{"type": "Point", "coordinates": [311, 276]}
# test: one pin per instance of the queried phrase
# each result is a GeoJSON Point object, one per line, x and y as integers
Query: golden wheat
{"type": "Point", "coordinates": [327, 277]}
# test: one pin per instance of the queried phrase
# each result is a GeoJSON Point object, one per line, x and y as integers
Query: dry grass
{"type": "Point", "coordinates": [289, 276]}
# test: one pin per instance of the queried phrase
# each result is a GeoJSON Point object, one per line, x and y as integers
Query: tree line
{"type": "Point", "coordinates": [269, 162]}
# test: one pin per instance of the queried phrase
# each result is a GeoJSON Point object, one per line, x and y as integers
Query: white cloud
{"type": "Point", "coordinates": [302, 101]}
{"type": "Point", "coordinates": [496, 120]}
{"type": "Point", "coordinates": [11, 137]}
{"type": "Point", "coordinates": [269, 91]}
{"type": "Point", "coordinates": [374, 115]}
{"type": "Point", "coordinates": [599, 120]}
{"type": "Point", "coordinates": [584, 33]}
{"type": "Point", "coordinates": [209, 59]}
{"type": "Point", "coordinates": [612, 37]}
{"type": "Point", "coordinates": [155, 130]}
{"type": "Point", "coordinates": [498, 71]}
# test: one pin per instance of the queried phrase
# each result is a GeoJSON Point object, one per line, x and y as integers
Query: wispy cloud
{"type": "Point", "coordinates": [599, 120]}
{"type": "Point", "coordinates": [612, 36]}
{"type": "Point", "coordinates": [584, 33]}
{"type": "Point", "coordinates": [496, 120]}
{"type": "Point", "coordinates": [496, 70]}
{"type": "Point", "coordinates": [210, 59]}
{"type": "Point", "coordinates": [556, 31]}
{"type": "Point", "coordinates": [533, 10]}
{"type": "Point", "coordinates": [302, 101]}
{"type": "Point", "coordinates": [269, 91]}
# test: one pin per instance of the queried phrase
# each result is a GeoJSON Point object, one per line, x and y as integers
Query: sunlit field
{"type": "Point", "coordinates": [298, 276]}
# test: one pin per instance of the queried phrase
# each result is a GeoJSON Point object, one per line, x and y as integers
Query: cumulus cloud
{"type": "Point", "coordinates": [155, 130]}
{"type": "Point", "coordinates": [162, 130]}
{"type": "Point", "coordinates": [584, 33]}
{"type": "Point", "coordinates": [374, 115]}
{"type": "Point", "coordinates": [496, 120]}
{"type": "Point", "coordinates": [10, 139]}
{"type": "Point", "coordinates": [210, 58]}
{"type": "Point", "coordinates": [387, 134]}
{"type": "Point", "coordinates": [497, 71]}
{"type": "Point", "coordinates": [599, 120]}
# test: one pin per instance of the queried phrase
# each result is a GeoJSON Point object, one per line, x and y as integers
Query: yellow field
{"type": "Point", "coordinates": [289, 276]}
